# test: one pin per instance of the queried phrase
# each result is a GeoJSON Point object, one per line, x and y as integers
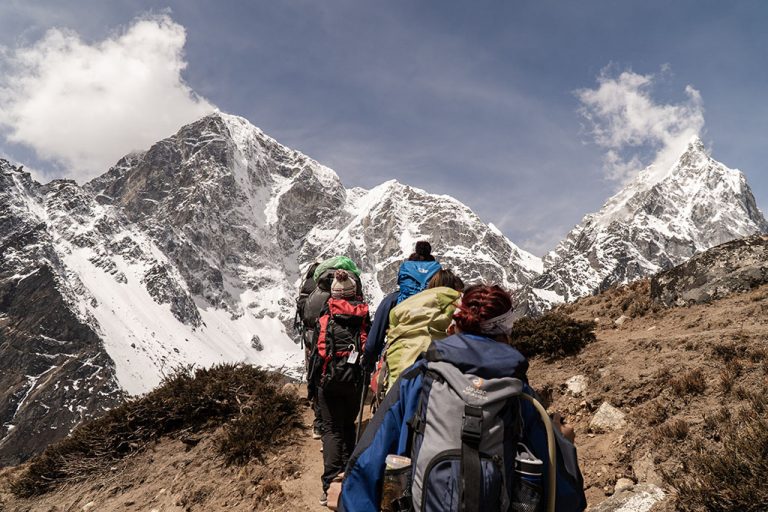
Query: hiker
{"type": "Point", "coordinates": [412, 277]}
{"type": "Point", "coordinates": [313, 297]}
{"type": "Point", "coordinates": [339, 339]}
{"type": "Point", "coordinates": [308, 285]}
{"type": "Point", "coordinates": [414, 324]}
{"type": "Point", "coordinates": [464, 394]}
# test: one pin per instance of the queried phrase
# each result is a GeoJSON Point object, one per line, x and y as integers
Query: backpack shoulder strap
{"type": "Point", "coordinates": [471, 478]}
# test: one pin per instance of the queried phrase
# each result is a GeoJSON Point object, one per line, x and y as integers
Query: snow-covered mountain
{"type": "Point", "coordinates": [191, 253]}
{"type": "Point", "coordinates": [659, 220]}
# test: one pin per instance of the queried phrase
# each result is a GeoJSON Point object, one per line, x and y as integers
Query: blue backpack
{"type": "Point", "coordinates": [414, 276]}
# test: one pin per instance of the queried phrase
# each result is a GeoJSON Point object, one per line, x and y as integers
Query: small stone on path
{"type": "Point", "coordinates": [607, 417]}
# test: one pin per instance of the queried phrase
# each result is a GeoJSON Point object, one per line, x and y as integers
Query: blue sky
{"type": "Point", "coordinates": [482, 100]}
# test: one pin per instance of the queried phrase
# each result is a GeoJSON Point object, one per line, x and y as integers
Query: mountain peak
{"type": "Point", "coordinates": [696, 144]}
{"type": "Point", "coordinates": [660, 219]}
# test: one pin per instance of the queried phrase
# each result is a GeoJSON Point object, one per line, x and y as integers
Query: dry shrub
{"type": "Point", "coordinates": [552, 335]}
{"type": "Point", "coordinates": [690, 383]}
{"type": "Point", "coordinates": [186, 401]}
{"type": "Point", "coordinates": [656, 413]}
{"type": "Point", "coordinates": [758, 355]}
{"type": "Point", "coordinates": [714, 423]}
{"type": "Point", "coordinates": [730, 475]}
{"type": "Point", "coordinates": [729, 351]}
{"type": "Point", "coordinates": [729, 374]}
{"type": "Point", "coordinates": [741, 393]}
{"type": "Point", "coordinates": [727, 378]}
{"type": "Point", "coordinates": [262, 423]}
{"type": "Point", "coordinates": [676, 430]}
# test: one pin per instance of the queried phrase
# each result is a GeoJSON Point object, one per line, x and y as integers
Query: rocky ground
{"type": "Point", "coordinates": [666, 375]}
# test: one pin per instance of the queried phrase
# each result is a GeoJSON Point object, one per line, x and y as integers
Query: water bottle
{"type": "Point", "coordinates": [397, 481]}
{"type": "Point", "coordinates": [527, 490]}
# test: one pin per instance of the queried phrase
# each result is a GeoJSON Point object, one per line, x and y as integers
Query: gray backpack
{"type": "Point", "coordinates": [466, 436]}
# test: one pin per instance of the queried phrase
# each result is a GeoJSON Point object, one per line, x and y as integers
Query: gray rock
{"type": "Point", "coordinates": [623, 484]}
{"type": "Point", "coordinates": [641, 498]}
{"type": "Point", "coordinates": [577, 385]}
{"type": "Point", "coordinates": [736, 266]}
{"type": "Point", "coordinates": [607, 418]}
{"type": "Point", "coordinates": [645, 470]}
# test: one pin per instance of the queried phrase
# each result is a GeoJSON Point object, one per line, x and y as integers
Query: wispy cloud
{"type": "Point", "coordinates": [629, 123]}
{"type": "Point", "coordinates": [85, 105]}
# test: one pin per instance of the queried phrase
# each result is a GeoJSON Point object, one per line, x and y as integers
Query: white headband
{"type": "Point", "coordinates": [501, 324]}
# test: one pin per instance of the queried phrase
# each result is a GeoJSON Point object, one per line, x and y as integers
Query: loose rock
{"type": "Point", "coordinates": [623, 484]}
{"type": "Point", "coordinates": [577, 385]}
{"type": "Point", "coordinates": [607, 417]}
{"type": "Point", "coordinates": [641, 498]}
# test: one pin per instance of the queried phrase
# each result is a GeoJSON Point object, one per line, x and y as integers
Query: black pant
{"type": "Point", "coordinates": [338, 405]}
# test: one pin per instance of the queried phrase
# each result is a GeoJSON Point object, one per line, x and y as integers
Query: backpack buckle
{"type": "Point", "coordinates": [472, 425]}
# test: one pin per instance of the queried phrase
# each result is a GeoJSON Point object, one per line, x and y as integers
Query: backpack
{"type": "Point", "coordinates": [318, 290]}
{"type": "Point", "coordinates": [414, 324]}
{"type": "Point", "coordinates": [414, 276]}
{"type": "Point", "coordinates": [460, 449]}
{"type": "Point", "coordinates": [307, 287]}
{"type": "Point", "coordinates": [341, 333]}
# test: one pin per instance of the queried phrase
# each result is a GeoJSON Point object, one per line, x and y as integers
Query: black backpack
{"type": "Point", "coordinates": [315, 294]}
{"type": "Point", "coordinates": [339, 340]}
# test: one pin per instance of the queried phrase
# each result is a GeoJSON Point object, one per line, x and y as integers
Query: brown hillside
{"type": "Point", "coordinates": [685, 377]}
{"type": "Point", "coordinates": [689, 380]}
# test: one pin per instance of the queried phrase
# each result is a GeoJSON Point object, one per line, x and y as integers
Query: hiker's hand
{"type": "Point", "coordinates": [559, 423]}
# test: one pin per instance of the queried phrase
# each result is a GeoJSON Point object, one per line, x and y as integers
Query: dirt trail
{"type": "Point", "coordinates": [307, 487]}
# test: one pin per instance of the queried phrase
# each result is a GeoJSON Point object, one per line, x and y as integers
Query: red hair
{"type": "Point", "coordinates": [480, 303]}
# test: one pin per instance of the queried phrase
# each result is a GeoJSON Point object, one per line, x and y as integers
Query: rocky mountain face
{"type": "Point", "coordinates": [54, 372]}
{"type": "Point", "coordinates": [191, 253]}
{"type": "Point", "coordinates": [736, 266]}
{"type": "Point", "coordinates": [659, 220]}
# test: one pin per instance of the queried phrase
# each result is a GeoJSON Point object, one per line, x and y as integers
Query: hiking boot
{"type": "Point", "coordinates": [316, 432]}
{"type": "Point", "coordinates": [324, 499]}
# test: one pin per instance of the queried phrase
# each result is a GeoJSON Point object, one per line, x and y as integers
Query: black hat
{"type": "Point", "coordinates": [423, 248]}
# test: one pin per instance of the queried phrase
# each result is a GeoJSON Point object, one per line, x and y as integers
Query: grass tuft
{"type": "Point", "coordinates": [729, 475]}
{"type": "Point", "coordinates": [690, 383]}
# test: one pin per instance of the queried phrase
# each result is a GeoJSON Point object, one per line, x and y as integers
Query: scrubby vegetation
{"type": "Point", "coordinates": [258, 416]}
{"type": "Point", "coordinates": [553, 335]}
{"type": "Point", "coordinates": [690, 383]}
{"type": "Point", "coordinates": [730, 474]}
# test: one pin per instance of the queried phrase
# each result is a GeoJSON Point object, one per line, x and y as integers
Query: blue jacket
{"type": "Point", "coordinates": [378, 333]}
{"type": "Point", "coordinates": [388, 431]}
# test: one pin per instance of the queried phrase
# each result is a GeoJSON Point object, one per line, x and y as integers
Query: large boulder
{"type": "Point", "coordinates": [736, 266]}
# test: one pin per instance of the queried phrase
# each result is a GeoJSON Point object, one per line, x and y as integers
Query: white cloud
{"type": "Point", "coordinates": [84, 105]}
{"type": "Point", "coordinates": [626, 121]}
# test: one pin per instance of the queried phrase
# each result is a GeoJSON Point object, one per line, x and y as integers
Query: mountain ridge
{"type": "Point", "coordinates": [190, 252]}
{"type": "Point", "coordinates": [656, 221]}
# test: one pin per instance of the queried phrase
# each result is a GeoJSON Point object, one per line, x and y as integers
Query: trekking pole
{"type": "Point", "coordinates": [363, 396]}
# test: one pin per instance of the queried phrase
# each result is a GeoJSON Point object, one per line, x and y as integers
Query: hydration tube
{"type": "Point", "coordinates": [552, 470]}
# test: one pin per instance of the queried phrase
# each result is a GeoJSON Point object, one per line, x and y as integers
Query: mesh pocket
{"type": "Point", "coordinates": [526, 497]}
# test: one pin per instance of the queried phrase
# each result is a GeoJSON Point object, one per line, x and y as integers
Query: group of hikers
{"type": "Point", "coordinates": [456, 425]}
